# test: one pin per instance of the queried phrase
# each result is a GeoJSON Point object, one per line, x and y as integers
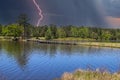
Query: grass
{"type": "Point", "coordinates": [74, 39]}
{"type": "Point", "coordinates": [90, 75]}
{"type": "Point", "coordinates": [91, 42]}
{"type": "Point", "coordinates": [101, 44]}
{"type": "Point", "coordinates": [78, 41]}
{"type": "Point", "coordinates": [83, 42]}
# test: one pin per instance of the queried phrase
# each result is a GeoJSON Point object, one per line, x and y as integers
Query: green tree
{"type": "Point", "coordinates": [36, 32]}
{"type": "Point", "coordinates": [42, 30]}
{"type": "Point", "coordinates": [67, 30]}
{"type": "Point", "coordinates": [117, 35]}
{"type": "Point", "coordinates": [13, 30]}
{"type": "Point", "coordinates": [106, 35]}
{"type": "Point", "coordinates": [23, 21]}
{"type": "Point", "coordinates": [53, 31]}
{"type": "Point", "coordinates": [94, 35]}
{"type": "Point", "coordinates": [83, 32]}
{"type": "Point", "coordinates": [48, 34]}
{"type": "Point", "coordinates": [74, 32]}
{"type": "Point", "coordinates": [61, 33]}
{"type": "Point", "coordinates": [0, 29]}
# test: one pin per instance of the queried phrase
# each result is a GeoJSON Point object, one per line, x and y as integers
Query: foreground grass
{"type": "Point", "coordinates": [90, 75]}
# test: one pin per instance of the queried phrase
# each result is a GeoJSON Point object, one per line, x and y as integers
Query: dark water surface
{"type": "Point", "coordinates": [34, 61]}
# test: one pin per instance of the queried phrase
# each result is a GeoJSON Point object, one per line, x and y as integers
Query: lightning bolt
{"type": "Point", "coordinates": [39, 11]}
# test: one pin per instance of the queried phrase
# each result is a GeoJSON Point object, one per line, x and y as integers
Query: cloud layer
{"type": "Point", "coordinates": [63, 12]}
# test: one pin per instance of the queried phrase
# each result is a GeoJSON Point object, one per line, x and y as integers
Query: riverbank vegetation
{"type": "Point", "coordinates": [90, 75]}
{"type": "Point", "coordinates": [22, 28]}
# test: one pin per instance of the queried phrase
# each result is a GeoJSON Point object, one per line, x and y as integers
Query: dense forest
{"type": "Point", "coordinates": [22, 28]}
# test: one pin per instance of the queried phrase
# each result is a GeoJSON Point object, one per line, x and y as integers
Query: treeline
{"type": "Point", "coordinates": [54, 32]}
{"type": "Point", "coordinates": [23, 29]}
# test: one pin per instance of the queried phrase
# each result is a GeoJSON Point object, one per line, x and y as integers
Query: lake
{"type": "Point", "coordinates": [35, 61]}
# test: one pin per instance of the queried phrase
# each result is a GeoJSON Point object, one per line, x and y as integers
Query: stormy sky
{"type": "Point", "coordinates": [102, 13]}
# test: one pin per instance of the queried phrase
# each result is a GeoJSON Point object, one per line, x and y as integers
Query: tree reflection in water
{"type": "Point", "coordinates": [21, 51]}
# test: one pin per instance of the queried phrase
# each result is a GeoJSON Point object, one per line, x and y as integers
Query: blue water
{"type": "Point", "coordinates": [34, 61]}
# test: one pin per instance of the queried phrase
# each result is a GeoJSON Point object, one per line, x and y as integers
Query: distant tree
{"type": "Point", "coordinates": [74, 32]}
{"type": "Point", "coordinates": [83, 32]}
{"type": "Point", "coordinates": [12, 30]}
{"type": "Point", "coordinates": [99, 33]}
{"type": "Point", "coordinates": [42, 30]}
{"type": "Point", "coordinates": [53, 31]}
{"type": "Point", "coordinates": [48, 34]}
{"type": "Point", "coordinates": [117, 35]}
{"type": "Point", "coordinates": [35, 32]}
{"type": "Point", "coordinates": [94, 35]}
{"type": "Point", "coordinates": [67, 30]}
{"type": "Point", "coordinates": [93, 31]}
{"type": "Point", "coordinates": [23, 21]}
{"type": "Point", "coordinates": [106, 35]}
{"type": "Point", "coordinates": [0, 29]}
{"type": "Point", "coordinates": [61, 33]}
{"type": "Point", "coordinates": [28, 31]}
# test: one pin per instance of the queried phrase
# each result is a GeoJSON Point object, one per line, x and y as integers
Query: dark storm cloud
{"type": "Point", "coordinates": [112, 7]}
{"type": "Point", "coordinates": [61, 12]}
{"type": "Point", "coordinates": [10, 9]}
{"type": "Point", "coordinates": [77, 12]}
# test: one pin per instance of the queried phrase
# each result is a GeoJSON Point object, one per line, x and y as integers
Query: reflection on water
{"type": "Point", "coordinates": [35, 61]}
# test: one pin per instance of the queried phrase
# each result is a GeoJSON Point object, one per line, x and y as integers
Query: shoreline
{"type": "Point", "coordinates": [86, 43]}
{"type": "Point", "coordinates": [71, 42]}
